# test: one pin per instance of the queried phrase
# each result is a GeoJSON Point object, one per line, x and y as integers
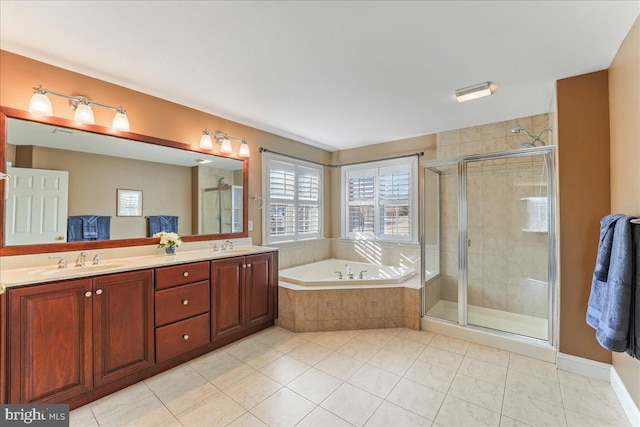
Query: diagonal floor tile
{"type": "Point", "coordinates": [284, 408]}
{"type": "Point", "coordinates": [352, 404]}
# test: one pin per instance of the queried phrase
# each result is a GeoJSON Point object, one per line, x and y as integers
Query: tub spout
{"type": "Point", "coordinates": [339, 274]}
{"type": "Point", "coordinates": [349, 271]}
{"type": "Point", "coordinates": [361, 276]}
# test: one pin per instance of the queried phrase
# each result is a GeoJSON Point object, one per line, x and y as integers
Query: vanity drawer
{"type": "Point", "coordinates": [167, 277]}
{"type": "Point", "coordinates": [181, 337]}
{"type": "Point", "coordinates": [181, 302]}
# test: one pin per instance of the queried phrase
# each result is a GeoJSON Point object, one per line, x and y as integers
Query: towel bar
{"type": "Point", "coordinates": [635, 221]}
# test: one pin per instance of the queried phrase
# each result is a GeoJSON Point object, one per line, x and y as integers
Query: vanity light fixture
{"type": "Point", "coordinates": [473, 92]}
{"type": "Point", "coordinates": [83, 106]}
{"type": "Point", "coordinates": [224, 141]}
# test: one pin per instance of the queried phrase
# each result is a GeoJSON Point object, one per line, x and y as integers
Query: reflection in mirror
{"type": "Point", "coordinates": [64, 187]}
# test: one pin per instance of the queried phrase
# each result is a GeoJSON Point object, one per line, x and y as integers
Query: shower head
{"type": "Point", "coordinates": [532, 143]}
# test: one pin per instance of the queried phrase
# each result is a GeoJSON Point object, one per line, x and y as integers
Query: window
{"type": "Point", "coordinates": [292, 195]}
{"type": "Point", "coordinates": [379, 200]}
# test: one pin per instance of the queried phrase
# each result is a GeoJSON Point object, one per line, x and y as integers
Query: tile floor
{"type": "Point", "coordinates": [384, 377]}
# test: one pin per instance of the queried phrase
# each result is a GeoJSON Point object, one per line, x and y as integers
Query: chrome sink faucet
{"type": "Point", "coordinates": [227, 245]}
{"type": "Point", "coordinates": [96, 259]}
{"type": "Point", "coordinates": [82, 259]}
{"type": "Point", "coordinates": [62, 263]}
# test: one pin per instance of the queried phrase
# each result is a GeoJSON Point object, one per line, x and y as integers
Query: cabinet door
{"type": "Point", "coordinates": [227, 297]}
{"type": "Point", "coordinates": [50, 344]}
{"type": "Point", "coordinates": [123, 324]}
{"type": "Point", "coordinates": [259, 282]}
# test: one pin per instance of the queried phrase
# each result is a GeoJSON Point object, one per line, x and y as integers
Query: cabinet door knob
{"type": "Point", "coordinates": [185, 274]}
{"type": "Point", "coordinates": [87, 294]}
{"type": "Point", "coordinates": [185, 302]}
{"type": "Point", "coordinates": [185, 336]}
{"type": "Point", "coordinates": [244, 265]}
{"type": "Point", "coordinates": [99, 291]}
{"type": "Point", "coordinates": [249, 265]}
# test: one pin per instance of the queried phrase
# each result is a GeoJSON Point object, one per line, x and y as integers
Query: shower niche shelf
{"type": "Point", "coordinates": [537, 215]}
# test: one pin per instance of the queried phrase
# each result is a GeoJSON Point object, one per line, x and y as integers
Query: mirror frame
{"type": "Point", "coordinates": [103, 244]}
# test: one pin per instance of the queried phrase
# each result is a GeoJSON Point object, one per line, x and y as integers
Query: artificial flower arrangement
{"type": "Point", "coordinates": [168, 239]}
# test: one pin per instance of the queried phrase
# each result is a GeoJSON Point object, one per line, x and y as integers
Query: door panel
{"type": "Point", "coordinates": [123, 324]}
{"type": "Point", "coordinates": [227, 297]}
{"type": "Point", "coordinates": [50, 342]}
{"type": "Point", "coordinates": [259, 288]}
{"type": "Point", "coordinates": [36, 210]}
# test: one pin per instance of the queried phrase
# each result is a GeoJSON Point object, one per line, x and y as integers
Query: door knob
{"type": "Point", "coordinates": [99, 291]}
{"type": "Point", "coordinates": [185, 274]}
{"type": "Point", "coordinates": [185, 302]}
{"type": "Point", "coordinates": [87, 294]}
{"type": "Point", "coordinates": [185, 336]}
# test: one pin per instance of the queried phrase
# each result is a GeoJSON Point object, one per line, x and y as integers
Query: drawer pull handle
{"type": "Point", "coordinates": [185, 274]}
{"type": "Point", "coordinates": [99, 291]}
{"type": "Point", "coordinates": [185, 336]}
{"type": "Point", "coordinates": [87, 294]}
{"type": "Point", "coordinates": [185, 302]}
{"type": "Point", "coordinates": [244, 265]}
{"type": "Point", "coordinates": [248, 265]}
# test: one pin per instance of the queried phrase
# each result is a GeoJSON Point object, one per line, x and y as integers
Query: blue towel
{"type": "Point", "coordinates": [609, 307]}
{"type": "Point", "coordinates": [76, 228]}
{"type": "Point", "coordinates": [89, 226]}
{"type": "Point", "coordinates": [166, 223]}
{"type": "Point", "coordinates": [634, 328]}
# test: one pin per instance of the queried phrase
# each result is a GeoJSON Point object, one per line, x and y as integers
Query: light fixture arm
{"type": "Point", "coordinates": [220, 139]}
{"type": "Point", "coordinates": [78, 99]}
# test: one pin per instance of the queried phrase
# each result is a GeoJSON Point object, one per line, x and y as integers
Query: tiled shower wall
{"type": "Point", "coordinates": [507, 265]}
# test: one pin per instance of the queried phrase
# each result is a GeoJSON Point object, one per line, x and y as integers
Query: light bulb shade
{"type": "Point", "coordinates": [40, 104]}
{"type": "Point", "coordinates": [84, 114]}
{"type": "Point", "coordinates": [244, 150]}
{"type": "Point", "coordinates": [121, 122]}
{"type": "Point", "coordinates": [206, 142]}
{"type": "Point", "coordinates": [226, 146]}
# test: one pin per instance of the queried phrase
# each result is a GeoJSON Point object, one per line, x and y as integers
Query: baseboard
{"type": "Point", "coordinates": [629, 406]}
{"type": "Point", "coordinates": [588, 368]}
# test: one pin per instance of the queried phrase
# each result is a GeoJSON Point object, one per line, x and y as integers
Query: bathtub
{"type": "Point", "coordinates": [323, 274]}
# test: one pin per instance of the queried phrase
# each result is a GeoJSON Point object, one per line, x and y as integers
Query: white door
{"type": "Point", "coordinates": [36, 206]}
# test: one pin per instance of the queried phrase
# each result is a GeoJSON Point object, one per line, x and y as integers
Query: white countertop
{"type": "Point", "coordinates": [51, 272]}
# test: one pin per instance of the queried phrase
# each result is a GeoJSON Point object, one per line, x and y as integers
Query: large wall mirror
{"type": "Point", "coordinates": [84, 186]}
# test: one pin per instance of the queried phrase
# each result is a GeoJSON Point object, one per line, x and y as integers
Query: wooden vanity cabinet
{"type": "Point", "coordinates": [67, 338]}
{"type": "Point", "coordinates": [243, 293]}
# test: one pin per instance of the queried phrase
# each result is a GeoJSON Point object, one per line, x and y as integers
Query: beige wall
{"type": "Point", "coordinates": [624, 111]}
{"type": "Point", "coordinates": [584, 198]}
{"type": "Point", "coordinates": [148, 115]}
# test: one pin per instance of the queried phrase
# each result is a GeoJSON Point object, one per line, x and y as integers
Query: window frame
{"type": "Point", "coordinates": [412, 164]}
{"type": "Point", "coordinates": [297, 165]}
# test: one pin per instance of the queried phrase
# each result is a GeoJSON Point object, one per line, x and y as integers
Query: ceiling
{"type": "Point", "coordinates": [337, 74]}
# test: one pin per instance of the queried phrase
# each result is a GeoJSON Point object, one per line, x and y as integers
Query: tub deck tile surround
{"type": "Point", "coordinates": [348, 309]}
{"type": "Point", "coordinates": [386, 385]}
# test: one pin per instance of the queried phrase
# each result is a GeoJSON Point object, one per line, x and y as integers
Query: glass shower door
{"type": "Point", "coordinates": [507, 243]}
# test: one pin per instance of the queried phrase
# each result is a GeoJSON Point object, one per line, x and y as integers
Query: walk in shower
{"type": "Point", "coordinates": [489, 242]}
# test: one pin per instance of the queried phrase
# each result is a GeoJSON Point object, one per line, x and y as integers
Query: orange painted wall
{"type": "Point", "coordinates": [148, 115]}
{"type": "Point", "coordinates": [584, 198]}
{"type": "Point", "coordinates": [624, 111]}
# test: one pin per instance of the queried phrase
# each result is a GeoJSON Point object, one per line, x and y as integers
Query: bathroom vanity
{"type": "Point", "coordinates": [73, 335]}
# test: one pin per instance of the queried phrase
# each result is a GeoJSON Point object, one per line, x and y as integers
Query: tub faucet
{"type": "Point", "coordinates": [361, 276]}
{"type": "Point", "coordinates": [349, 271]}
{"type": "Point", "coordinates": [339, 274]}
{"type": "Point", "coordinates": [81, 260]}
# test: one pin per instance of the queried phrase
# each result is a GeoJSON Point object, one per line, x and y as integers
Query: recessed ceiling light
{"type": "Point", "coordinates": [203, 161]}
{"type": "Point", "coordinates": [473, 92]}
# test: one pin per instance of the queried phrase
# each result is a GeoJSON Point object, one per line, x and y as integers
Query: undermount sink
{"type": "Point", "coordinates": [54, 270]}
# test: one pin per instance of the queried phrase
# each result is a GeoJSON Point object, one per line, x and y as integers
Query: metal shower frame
{"type": "Point", "coordinates": [549, 151]}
